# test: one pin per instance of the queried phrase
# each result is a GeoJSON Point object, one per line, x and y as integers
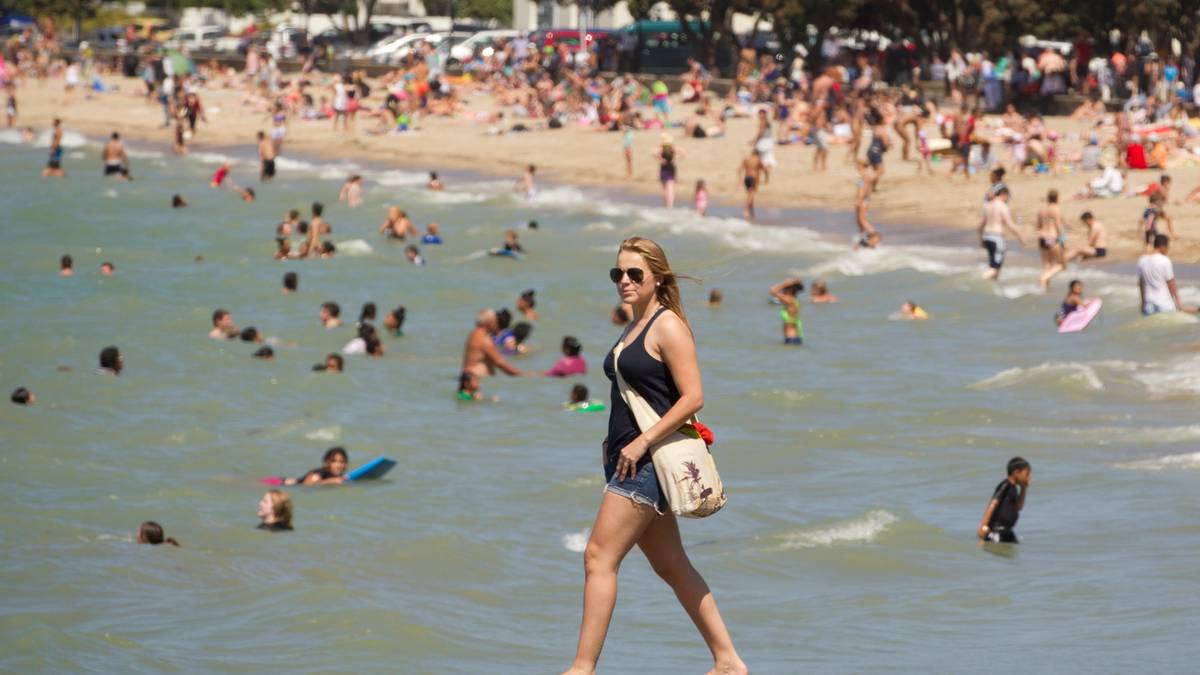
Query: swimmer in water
{"type": "Point", "coordinates": [66, 266]}
{"type": "Point", "coordinates": [289, 224]}
{"type": "Point", "coordinates": [525, 305]}
{"type": "Point", "coordinates": [1072, 302]}
{"type": "Point", "coordinates": [1006, 503]}
{"type": "Point", "coordinates": [275, 511]}
{"type": "Point", "coordinates": [291, 282]}
{"type": "Point", "coordinates": [264, 353]}
{"type": "Point", "coordinates": [54, 163]}
{"type": "Point", "coordinates": [331, 313]}
{"type": "Point", "coordinates": [514, 342]}
{"type": "Point", "coordinates": [317, 227]}
{"type": "Point", "coordinates": [572, 361]}
{"type": "Point", "coordinates": [111, 361]}
{"type": "Point", "coordinates": [366, 343]}
{"type": "Point", "coordinates": [333, 364]}
{"type": "Point", "coordinates": [107, 269]}
{"type": "Point", "coordinates": [22, 396]}
{"type": "Point", "coordinates": [910, 310]}
{"type": "Point", "coordinates": [283, 248]}
{"type": "Point", "coordinates": [579, 401]}
{"type": "Point", "coordinates": [251, 334]}
{"type": "Point", "coordinates": [819, 294]}
{"type": "Point", "coordinates": [413, 255]}
{"type": "Point", "coordinates": [434, 183]}
{"type": "Point", "coordinates": [393, 321]}
{"type": "Point", "coordinates": [351, 192]}
{"type": "Point", "coordinates": [219, 177]}
{"type": "Point", "coordinates": [468, 387]}
{"type": "Point", "coordinates": [223, 328]}
{"type": "Point", "coordinates": [397, 225]}
{"type": "Point", "coordinates": [151, 533]}
{"type": "Point", "coordinates": [113, 154]}
{"type": "Point", "coordinates": [786, 293]}
{"type": "Point", "coordinates": [481, 356]}
{"type": "Point", "coordinates": [178, 202]}
{"type": "Point", "coordinates": [715, 296]}
{"type": "Point", "coordinates": [332, 471]}
{"type": "Point", "coordinates": [433, 235]}
{"type": "Point", "coordinates": [511, 247]}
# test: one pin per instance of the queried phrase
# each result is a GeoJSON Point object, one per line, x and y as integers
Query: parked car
{"type": "Point", "coordinates": [395, 51]}
{"type": "Point", "coordinates": [196, 37]}
{"type": "Point", "coordinates": [108, 37]}
{"type": "Point", "coordinates": [481, 44]}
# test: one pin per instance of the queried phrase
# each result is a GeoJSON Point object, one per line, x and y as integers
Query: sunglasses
{"type": "Point", "coordinates": [636, 274]}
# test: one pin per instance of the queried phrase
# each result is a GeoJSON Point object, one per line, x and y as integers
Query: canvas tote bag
{"type": "Point", "coordinates": [687, 474]}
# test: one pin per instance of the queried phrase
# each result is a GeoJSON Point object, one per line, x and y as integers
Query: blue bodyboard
{"type": "Point", "coordinates": [375, 468]}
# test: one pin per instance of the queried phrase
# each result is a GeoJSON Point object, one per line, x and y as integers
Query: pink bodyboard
{"type": "Point", "coordinates": [1080, 318]}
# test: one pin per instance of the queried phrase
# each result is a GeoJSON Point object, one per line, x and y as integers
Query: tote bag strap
{"type": "Point", "coordinates": [645, 414]}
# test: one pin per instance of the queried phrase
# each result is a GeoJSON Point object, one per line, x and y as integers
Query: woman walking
{"type": "Point", "coordinates": [657, 358]}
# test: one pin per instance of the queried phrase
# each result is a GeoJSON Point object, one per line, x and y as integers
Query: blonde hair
{"type": "Point", "coordinates": [667, 290]}
{"type": "Point", "coordinates": [281, 506]}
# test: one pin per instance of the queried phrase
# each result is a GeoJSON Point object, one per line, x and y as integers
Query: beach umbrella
{"type": "Point", "coordinates": [183, 65]}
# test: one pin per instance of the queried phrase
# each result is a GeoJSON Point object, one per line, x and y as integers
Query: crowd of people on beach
{"type": "Point", "coordinates": [840, 103]}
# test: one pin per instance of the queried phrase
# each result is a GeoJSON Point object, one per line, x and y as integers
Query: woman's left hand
{"type": "Point", "coordinates": [630, 455]}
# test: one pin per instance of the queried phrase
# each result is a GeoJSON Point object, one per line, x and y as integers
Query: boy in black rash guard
{"type": "Point", "coordinates": [1004, 509]}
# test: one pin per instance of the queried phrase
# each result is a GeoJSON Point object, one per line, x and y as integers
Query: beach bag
{"type": "Point", "coordinates": [687, 474]}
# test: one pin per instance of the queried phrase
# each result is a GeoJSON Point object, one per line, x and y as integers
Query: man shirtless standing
{"type": "Point", "coordinates": [54, 164]}
{"type": "Point", "coordinates": [753, 173]}
{"type": "Point", "coordinates": [996, 220]}
{"type": "Point", "coordinates": [115, 159]}
{"type": "Point", "coordinates": [480, 355]}
{"type": "Point", "coordinates": [266, 153]}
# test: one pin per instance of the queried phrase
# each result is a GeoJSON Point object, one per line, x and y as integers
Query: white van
{"type": "Point", "coordinates": [196, 37]}
{"type": "Point", "coordinates": [481, 44]}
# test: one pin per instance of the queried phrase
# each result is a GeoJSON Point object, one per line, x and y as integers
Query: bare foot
{"type": "Point", "coordinates": [734, 667]}
{"type": "Point", "coordinates": [579, 670]}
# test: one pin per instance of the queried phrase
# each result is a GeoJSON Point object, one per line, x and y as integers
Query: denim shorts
{"type": "Point", "coordinates": [642, 488]}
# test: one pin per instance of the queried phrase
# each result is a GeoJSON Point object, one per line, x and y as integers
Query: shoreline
{"type": "Point", "coordinates": [906, 203]}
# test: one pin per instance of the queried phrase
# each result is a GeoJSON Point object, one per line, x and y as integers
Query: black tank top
{"type": "Point", "coordinates": [647, 376]}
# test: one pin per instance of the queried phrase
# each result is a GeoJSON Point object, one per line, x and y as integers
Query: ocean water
{"type": "Point", "coordinates": [857, 466]}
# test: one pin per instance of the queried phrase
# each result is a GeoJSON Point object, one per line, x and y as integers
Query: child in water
{"type": "Point", "coordinates": [1004, 509]}
{"type": "Point", "coordinates": [910, 310]}
{"type": "Point", "coordinates": [151, 533]}
{"type": "Point", "coordinates": [701, 198]}
{"type": "Point", "coordinates": [468, 387]}
{"type": "Point", "coordinates": [275, 511]}
{"type": "Point", "coordinates": [511, 246]}
{"type": "Point", "coordinates": [1072, 302]}
{"type": "Point", "coordinates": [433, 235]}
{"type": "Point", "coordinates": [332, 471]}
{"type": "Point", "coordinates": [580, 402]}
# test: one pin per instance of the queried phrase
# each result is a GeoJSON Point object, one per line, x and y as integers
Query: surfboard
{"type": "Point", "coordinates": [373, 469]}
{"type": "Point", "coordinates": [504, 253]}
{"type": "Point", "coordinates": [1080, 318]}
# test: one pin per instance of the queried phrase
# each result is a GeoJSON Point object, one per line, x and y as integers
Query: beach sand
{"type": "Point", "coordinates": [580, 156]}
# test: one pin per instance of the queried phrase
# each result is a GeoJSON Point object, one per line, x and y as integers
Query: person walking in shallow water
{"type": "Point", "coordinates": [658, 360]}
